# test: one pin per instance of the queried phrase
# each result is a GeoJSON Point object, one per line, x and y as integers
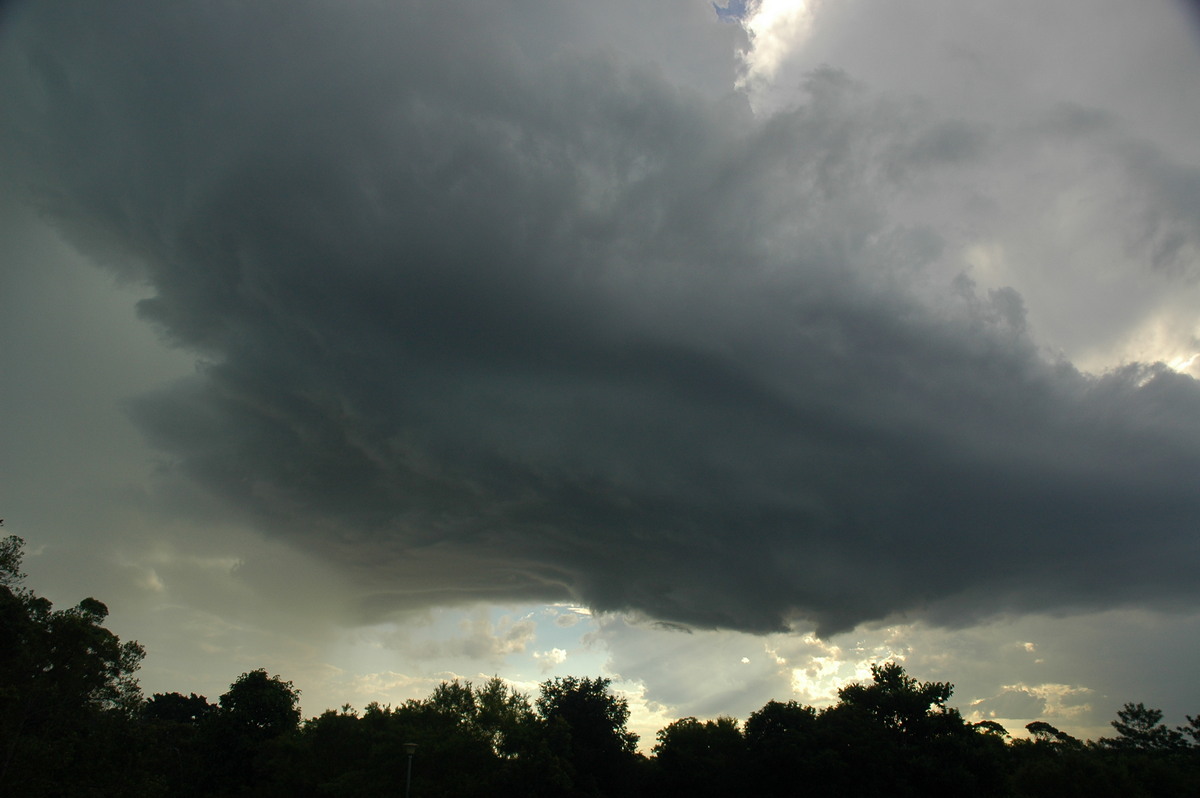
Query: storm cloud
{"type": "Point", "coordinates": [488, 307]}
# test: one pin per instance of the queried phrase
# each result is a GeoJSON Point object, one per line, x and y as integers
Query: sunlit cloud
{"type": "Point", "coordinates": [776, 29]}
{"type": "Point", "coordinates": [550, 659]}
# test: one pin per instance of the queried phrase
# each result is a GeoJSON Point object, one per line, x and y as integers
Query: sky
{"type": "Point", "coordinates": [721, 350]}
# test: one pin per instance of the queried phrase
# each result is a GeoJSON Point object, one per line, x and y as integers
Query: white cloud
{"type": "Point", "coordinates": [776, 28]}
{"type": "Point", "coordinates": [386, 687]}
{"type": "Point", "coordinates": [550, 659]}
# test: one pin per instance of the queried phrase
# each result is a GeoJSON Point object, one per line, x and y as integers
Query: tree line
{"type": "Point", "coordinates": [73, 721]}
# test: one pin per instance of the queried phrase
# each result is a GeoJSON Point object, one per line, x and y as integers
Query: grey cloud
{"type": "Point", "coordinates": [1170, 225]}
{"type": "Point", "coordinates": [567, 620]}
{"type": "Point", "coordinates": [1020, 704]}
{"type": "Point", "coordinates": [1159, 207]}
{"type": "Point", "coordinates": [484, 318]}
{"type": "Point", "coordinates": [479, 639]}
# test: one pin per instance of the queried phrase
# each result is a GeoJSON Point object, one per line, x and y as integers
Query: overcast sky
{"type": "Point", "coordinates": [720, 350]}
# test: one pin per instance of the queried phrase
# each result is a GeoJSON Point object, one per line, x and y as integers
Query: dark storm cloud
{"type": "Point", "coordinates": [488, 312]}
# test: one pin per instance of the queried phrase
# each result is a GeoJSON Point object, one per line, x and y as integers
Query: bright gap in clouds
{"type": "Point", "coordinates": [776, 28]}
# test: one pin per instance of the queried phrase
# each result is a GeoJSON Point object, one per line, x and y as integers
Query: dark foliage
{"type": "Point", "coordinates": [67, 693]}
{"type": "Point", "coordinates": [701, 758]}
{"type": "Point", "coordinates": [585, 728]}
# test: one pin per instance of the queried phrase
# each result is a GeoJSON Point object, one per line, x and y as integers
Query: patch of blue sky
{"type": "Point", "coordinates": [732, 11]}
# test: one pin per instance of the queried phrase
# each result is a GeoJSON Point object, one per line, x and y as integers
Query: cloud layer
{"type": "Point", "coordinates": [489, 307]}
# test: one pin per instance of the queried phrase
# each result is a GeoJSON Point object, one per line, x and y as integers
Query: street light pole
{"type": "Point", "coordinates": [411, 749]}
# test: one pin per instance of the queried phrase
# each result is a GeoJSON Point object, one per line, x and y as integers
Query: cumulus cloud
{"type": "Point", "coordinates": [387, 686]}
{"type": "Point", "coordinates": [476, 637]}
{"type": "Point", "coordinates": [1034, 702]}
{"type": "Point", "coordinates": [483, 314]}
{"type": "Point", "coordinates": [550, 659]}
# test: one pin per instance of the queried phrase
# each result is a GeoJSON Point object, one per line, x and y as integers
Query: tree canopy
{"type": "Point", "coordinates": [62, 674]}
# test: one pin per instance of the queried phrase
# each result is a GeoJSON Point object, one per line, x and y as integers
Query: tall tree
{"type": "Point", "coordinates": [1192, 730]}
{"type": "Point", "coordinates": [261, 705]}
{"type": "Point", "coordinates": [62, 675]}
{"type": "Point", "coordinates": [1042, 732]}
{"type": "Point", "coordinates": [177, 708]}
{"type": "Point", "coordinates": [781, 739]}
{"type": "Point", "coordinates": [504, 717]}
{"type": "Point", "coordinates": [1140, 728]}
{"type": "Point", "coordinates": [900, 703]}
{"type": "Point", "coordinates": [700, 758]}
{"type": "Point", "coordinates": [12, 552]}
{"type": "Point", "coordinates": [587, 724]}
{"type": "Point", "coordinates": [253, 717]}
{"type": "Point", "coordinates": [898, 730]}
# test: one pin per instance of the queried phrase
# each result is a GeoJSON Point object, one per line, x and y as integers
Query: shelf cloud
{"type": "Point", "coordinates": [488, 308]}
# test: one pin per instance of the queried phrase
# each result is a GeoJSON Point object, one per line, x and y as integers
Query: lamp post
{"type": "Point", "coordinates": [411, 749]}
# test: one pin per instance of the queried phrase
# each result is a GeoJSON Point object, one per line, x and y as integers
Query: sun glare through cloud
{"type": "Point", "coordinates": [775, 28]}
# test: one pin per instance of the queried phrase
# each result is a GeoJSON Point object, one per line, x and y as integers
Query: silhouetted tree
{"type": "Point", "coordinates": [496, 727]}
{"type": "Point", "coordinates": [504, 716]}
{"type": "Point", "coordinates": [261, 705]}
{"type": "Point", "coordinates": [1192, 730]}
{"type": "Point", "coordinates": [170, 729]}
{"type": "Point", "coordinates": [901, 704]}
{"type": "Point", "coordinates": [241, 737]}
{"type": "Point", "coordinates": [1141, 729]}
{"type": "Point", "coordinates": [991, 727]}
{"type": "Point", "coordinates": [700, 757]}
{"type": "Point", "coordinates": [12, 553]}
{"type": "Point", "coordinates": [1043, 732]}
{"type": "Point", "coordinates": [177, 708]}
{"type": "Point", "coordinates": [898, 735]}
{"type": "Point", "coordinates": [781, 740]}
{"type": "Point", "coordinates": [63, 677]}
{"type": "Point", "coordinates": [586, 726]}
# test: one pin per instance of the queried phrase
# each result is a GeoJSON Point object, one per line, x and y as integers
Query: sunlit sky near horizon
{"type": "Point", "coordinates": [719, 350]}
